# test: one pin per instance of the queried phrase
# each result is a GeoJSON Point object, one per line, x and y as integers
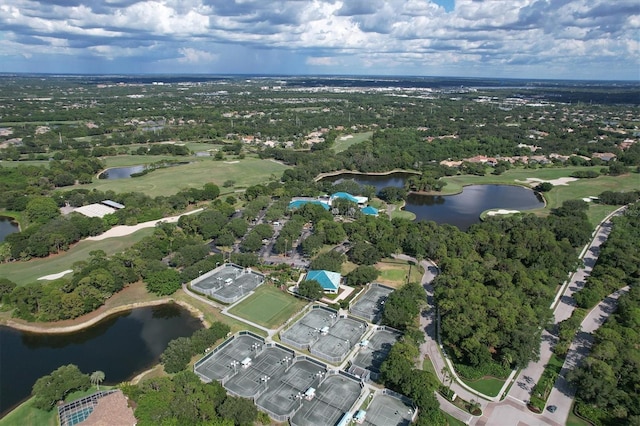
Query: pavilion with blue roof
{"type": "Point", "coordinates": [296, 204]}
{"type": "Point", "coordinates": [329, 280]}
{"type": "Point", "coordinates": [347, 196]}
{"type": "Point", "coordinates": [371, 211]}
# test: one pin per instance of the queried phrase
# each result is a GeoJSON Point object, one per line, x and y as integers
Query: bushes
{"type": "Point", "coordinates": [488, 369]}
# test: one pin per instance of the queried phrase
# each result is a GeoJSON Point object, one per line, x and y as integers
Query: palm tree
{"type": "Point", "coordinates": [96, 378]}
{"type": "Point", "coordinates": [447, 377]}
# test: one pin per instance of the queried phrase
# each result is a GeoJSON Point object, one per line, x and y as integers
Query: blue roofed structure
{"type": "Point", "coordinates": [296, 204]}
{"type": "Point", "coordinates": [371, 211]}
{"type": "Point", "coordinates": [329, 280]}
{"type": "Point", "coordinates": [347, 196]}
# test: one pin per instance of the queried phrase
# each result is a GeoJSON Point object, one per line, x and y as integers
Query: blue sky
{"type": "Point", "coordinates": [566, 39]}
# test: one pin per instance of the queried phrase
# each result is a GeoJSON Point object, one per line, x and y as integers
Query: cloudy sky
{"type": "Point", "coordinates": [575, 39]}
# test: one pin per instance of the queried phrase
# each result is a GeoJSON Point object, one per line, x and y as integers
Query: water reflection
{"type": "Point", "coordinates": [121, 346]}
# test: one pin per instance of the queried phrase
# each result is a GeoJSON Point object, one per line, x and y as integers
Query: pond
{"type": "Point", "coordinates": [121, 346]}
{"type": "Point", "coordinates": [121, 172]}
{"type": "Point", "coordinates": [464, 209]}
{"type": "Point", "coordinates": [461, 210]}
{"type": "Point", "coordinates": [7, 226]}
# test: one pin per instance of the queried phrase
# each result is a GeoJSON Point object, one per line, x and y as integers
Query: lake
{"type": "Point", "coordinates": [464, 209]}
{"type": "Point", "coordinates": [121, 346]}
{"type": "Point", "coordinates": [461, 210]}
{"type": "Point", "coordinates": [7, 226]}
{"type": "Point", "coordinates": [120, 172]}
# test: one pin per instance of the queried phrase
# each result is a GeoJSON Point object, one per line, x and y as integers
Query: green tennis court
{"type": "Point", "coordinates": [268, 307]}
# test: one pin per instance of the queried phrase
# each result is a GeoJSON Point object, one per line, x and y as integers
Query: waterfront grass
{"type": "Point", "coordinates": [167, 181]}
{"type": "Point", "coordinates": [28, 272]}
{"type": "Point", "coordinates": [212, 314]}
{"type": "Point", "coordinates": [268, 307]}
{"type": "Point", "coordinates": [342, 144]}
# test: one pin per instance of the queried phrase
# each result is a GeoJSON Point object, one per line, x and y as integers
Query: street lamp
{"type": "Point", "coordinates": [234, 364]}
{"type": "Point", "coordinates": [265, 379]}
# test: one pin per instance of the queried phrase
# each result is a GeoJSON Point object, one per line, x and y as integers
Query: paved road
{"type": "Point", "coordinates": [563, 393]}
{"type": "Point", "coordinates": [529, 376]}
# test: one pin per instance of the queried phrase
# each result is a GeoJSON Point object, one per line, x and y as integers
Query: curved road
{"type": "Point", "coordinates": [513, 410]}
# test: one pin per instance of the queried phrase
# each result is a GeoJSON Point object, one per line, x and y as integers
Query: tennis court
{"type": "Point", "coordinates": [307, 330]}
{"type": "Point", "coordinates": [370, 304]}
{"type": "Point", "coordinates": [333, 398]}
{"type": "Point", "coordinates": [268, 307]}
{"type": "Point", "coordinates": [223, 361]}
{"type": "Point", "coordinates": [371, 356]}
{"type": "Point", "coordinates": [285, 393]}
{"type": "Point", "coordinates": [228, 283]}
{"type": "Point", "coordinates": [335, 344]}
{"type": "Point", "coordinates": [264, 369]}
{"type": "Point", "coordinates": [387, 409]}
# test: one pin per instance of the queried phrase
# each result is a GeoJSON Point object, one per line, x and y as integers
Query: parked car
{"type": "Point", "coordinates": [552, 408]}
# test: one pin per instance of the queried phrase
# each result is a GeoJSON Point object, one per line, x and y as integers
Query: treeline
{"type": "Point", "coordinates": [494, 291]}
{"type": "Point", "coordinates": [398, 371]}
{"type": "Point", "coordinates": [16, 182]}
{"type": "Point", "coordinates": [607, 381]}
{"type": "Point", "coordinates": [46, 231]}
{"type": "Point", "coordinates": [618, 262]}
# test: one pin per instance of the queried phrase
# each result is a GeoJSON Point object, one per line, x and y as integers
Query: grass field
{"type": "Point", "coordinates": [268, 307]}
{"type": "Point", "coordinates": [246, 172]}
{"type": "Point", "coordinates": [27, 272]}
{"type": "Point", "coordinates": [574, 420]}
{"type": "Point", "coordinates": [488, 386]}
{"type": "Point", "coordinates": [394, 272]}
{"type": "Point", "coordinates": [341, 145]}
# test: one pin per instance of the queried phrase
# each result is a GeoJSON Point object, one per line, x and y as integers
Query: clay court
{"type": "Point", "coordinates": [228, 283]}
{"type": "Point", "coordinates": [370, 304]}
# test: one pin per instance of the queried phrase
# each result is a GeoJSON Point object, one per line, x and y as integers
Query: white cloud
{"type": "Point", "coordinates": [323, 61]}
{"type": "Point", "coordinates": [409, 34]}
{"type": "Point", "coordinates": [194, 56]}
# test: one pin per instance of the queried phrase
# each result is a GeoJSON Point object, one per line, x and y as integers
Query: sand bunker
{"type": "Point", "coordinates": [122, 230]}
{"type": "Point", "coordinates": [554, 182]}
{"type": "Point", "coordinates": [501, 211]}
{"type": "Point", "coordinates": [56, 276]}
{"type": "Point", "coordinates": [344, 138]}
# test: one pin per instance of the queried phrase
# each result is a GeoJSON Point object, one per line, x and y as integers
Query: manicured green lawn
{"type": "Point", "coordinates": [394, 272]}
{"type": "Point", "coordinates": [27, 272]}
{"type": "Point", "coordinates": [488, 386]}
{"type": "Point", "coordinates": [452, 421]}
{"type": "Point", "coordinates": [341, 145]}
{"type": "Point", "coordinates": [246, 172]}
{"type": "Point", "coordinates": [268, 307]}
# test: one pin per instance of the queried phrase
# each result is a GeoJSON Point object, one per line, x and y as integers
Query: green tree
{"type": "Point", "coordinates": [163, 283]}
{"type": "Point", "coordinates": [362, 275]}
{"type": "Point", "coordinates": [53, 387]}
{"type": "Point", "coordinates": [177, 355]}
{"type": "Point", "coordinates": [310, 289]}
{"type": "Point", "coordinates": [242, 411]}
{"type": "Point", "coordinates": [96, 378]}
{"type": "Point", "coordinates": [41, 209]}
